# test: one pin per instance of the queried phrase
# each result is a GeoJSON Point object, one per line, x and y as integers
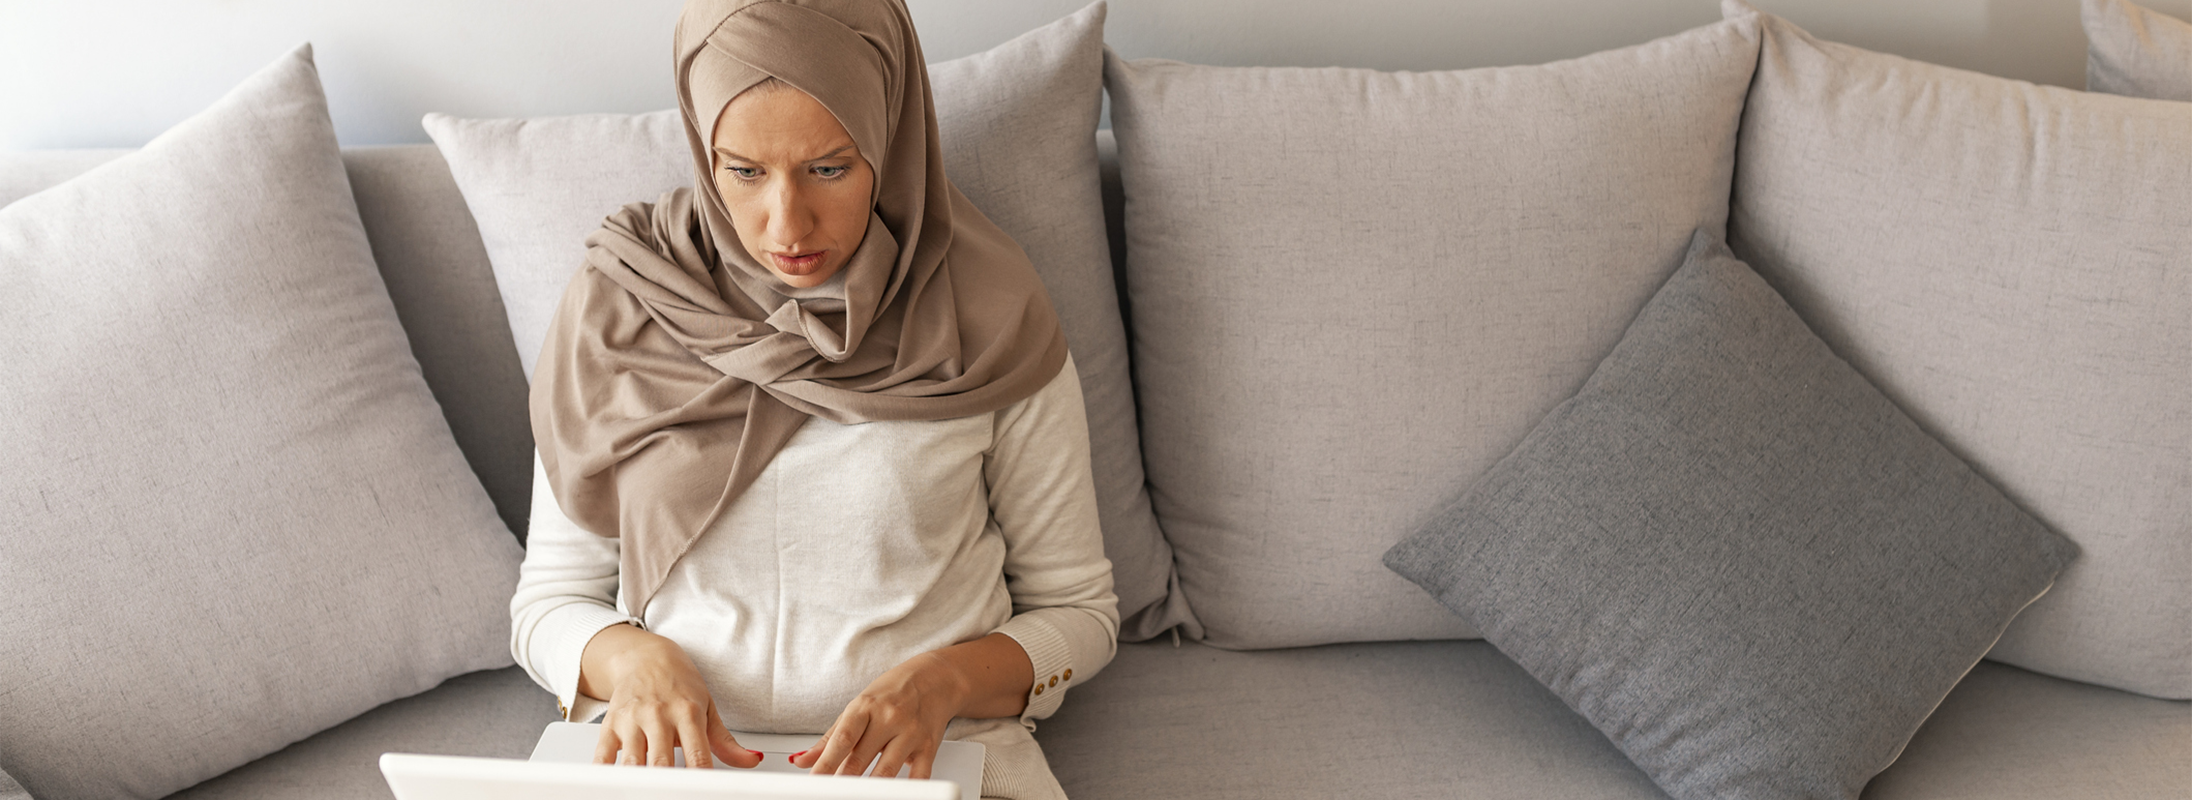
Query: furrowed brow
{"type": "Point", "coordinates": [722, 153]}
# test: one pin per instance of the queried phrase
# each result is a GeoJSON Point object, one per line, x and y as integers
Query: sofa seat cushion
{"type": "Point", "coordinates": [1457, 719]}
{"type": "Point", "coordinates": [1392, 720]}
{"type": "Point", "coordinates": [494, 713]}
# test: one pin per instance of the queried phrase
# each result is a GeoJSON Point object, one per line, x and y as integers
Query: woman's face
{"type": "Point", "coordinates": [796, 187]}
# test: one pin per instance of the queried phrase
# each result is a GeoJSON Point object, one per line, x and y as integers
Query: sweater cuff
{"type": "Point", "coordinates": [586, 620]}
{"type": "Point", "coordinates": [1052, 657]}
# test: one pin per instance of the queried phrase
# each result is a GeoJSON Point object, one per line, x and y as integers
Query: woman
{"type": "Point", "coordinates": [812, 456]}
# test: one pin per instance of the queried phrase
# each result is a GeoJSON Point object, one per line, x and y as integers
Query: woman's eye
{"type": "Point", "coordinates": [744, 173]}
{"type": "Point", "coordinates": [830, 173]}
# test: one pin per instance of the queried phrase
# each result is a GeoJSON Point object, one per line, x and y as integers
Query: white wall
{"type": "Point", "coordinates": [91, 73]}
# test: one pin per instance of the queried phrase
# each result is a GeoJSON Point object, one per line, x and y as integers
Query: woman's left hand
{"type": "Point", "coordinates": [898, 721]}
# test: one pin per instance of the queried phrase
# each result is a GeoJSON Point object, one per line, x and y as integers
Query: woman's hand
{"type": "Point", "coordinates": [898, 721]}
{"type": "Point", "coordinates": [657, 701]}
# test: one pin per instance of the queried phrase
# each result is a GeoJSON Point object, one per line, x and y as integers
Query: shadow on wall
{"type": "Point", "coordinates": [114, 74]}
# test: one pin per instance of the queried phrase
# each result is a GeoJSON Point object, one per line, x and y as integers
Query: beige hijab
{"type": "Point", "coordinates": [677, 367]}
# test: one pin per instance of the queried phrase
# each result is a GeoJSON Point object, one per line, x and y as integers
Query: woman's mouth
{"type": "Point", "coordinates": [798, 264]}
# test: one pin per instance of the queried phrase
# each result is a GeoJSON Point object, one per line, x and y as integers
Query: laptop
{"type": "Point", "coordinates": [561, 769]}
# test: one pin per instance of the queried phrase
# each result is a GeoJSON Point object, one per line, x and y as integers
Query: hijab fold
{"type": "Point", "coordinates": [677, 367]}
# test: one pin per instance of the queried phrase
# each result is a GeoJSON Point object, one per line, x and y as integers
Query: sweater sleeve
{"type": "Point", "coordinates": [1043, 496]}
{"type": "Point", "coordinates": [566, 593]}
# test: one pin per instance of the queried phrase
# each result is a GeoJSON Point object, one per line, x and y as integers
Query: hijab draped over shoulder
{"type": "Point", "coordinates": [677, 366]}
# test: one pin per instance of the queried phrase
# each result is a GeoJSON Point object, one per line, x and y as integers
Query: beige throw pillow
{"type": "Point", "coordinates": [1353, 291]}
{"type": "Point", "coordinates": [2007, 262]}
{"type": "Point", "coordinates": [235, 514]}
{"type": "Point", "coordinates": [1018, 126]}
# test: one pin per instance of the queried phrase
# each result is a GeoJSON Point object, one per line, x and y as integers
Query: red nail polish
{"type": "Point", "coordinates": [757, 754]}
{"type": "Point", "coordinates": [795, 756]}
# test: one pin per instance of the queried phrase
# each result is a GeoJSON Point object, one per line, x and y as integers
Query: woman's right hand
{"type": "Point", "coordinates": [657, 701]}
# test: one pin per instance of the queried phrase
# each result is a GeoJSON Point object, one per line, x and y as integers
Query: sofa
{"type": "Point", "coordinates": [1334, 406]}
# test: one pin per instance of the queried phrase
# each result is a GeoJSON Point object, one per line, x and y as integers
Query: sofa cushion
{"type": "Point", "coordinates": [494, 714]}
{"type": "Point", "coordinates": [1457, 719]}
{"type": "Point", "coordinates": [1017, 125]}
{"type": "Point", "coordinates": [1733, 555]}
{"type": "Point", "coordinates": [429, 255]}
{"type": "Point", "coordinates": [1352, 289]}
{"type": "Point", "coordinates": [2136, 52]}
{"type": "Point", "coordinates": [236, 515]}
{"type": "Point", "coordinates": [2007, 263]}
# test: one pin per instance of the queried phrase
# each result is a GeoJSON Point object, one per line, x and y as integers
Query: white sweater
{"type": "Point", "coordinates": [859, 546]}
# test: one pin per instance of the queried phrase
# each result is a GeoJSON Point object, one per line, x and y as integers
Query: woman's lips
{"type": "Point", "coordinates": [800, 264]}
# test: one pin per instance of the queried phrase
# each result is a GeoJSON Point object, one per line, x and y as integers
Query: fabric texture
{"type": "Point", "coordinates": [1016, 125]}
{"type": "Point", "coordinates": [2007, 263]}
{"type": "Point", "coordinates": [27, 172]}
{"type": "Point", "coordinates": [677, 367]}
{"type": "Point", "coordinates": [859, 547]}
{"type": "Point", "coordinates": [437, 274]}
{"type": "Point", "coordinates": [1350, 288]}
{"type": "Point", "coordinates": [1292, 715]}
{"type": "Point", "coordinates": [1734, 556]}
{"type": "Point", "coordinates": [1456, 719]}
{"type": "Point", "coordinates": [2136, 52]}
{"type": "Point", "coordinates": [430, 257]}
{"type": "Point", "coordinates": [239, 517]}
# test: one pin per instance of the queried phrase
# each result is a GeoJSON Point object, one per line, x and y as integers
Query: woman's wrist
{"type": "Point", "coordinates": [987, 677]}
{"type": "Point", "coordinates": [612, 654]}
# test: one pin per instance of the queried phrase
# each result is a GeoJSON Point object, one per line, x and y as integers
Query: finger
{"type": "Point", "coordinates": [606, 746]}
{"type": "Point", "coordinates": [838, 745]}
{"type": "Point", "coordinates": [661, 737]}
{"type": "Point", "coordinates": [863, 755]}
{"type": "Point", "coordinates": [894, 757]}
{"type": "Point", "coordinates": [725, 746]}
{"type": "Point", "coordinates": [812, 754]}
{"type": "Point", "coordinates": [692, 735]}
{"type": "Point", "coordinates": [924, 764]}
{"type": "Point", "coordinates": [632, 740]}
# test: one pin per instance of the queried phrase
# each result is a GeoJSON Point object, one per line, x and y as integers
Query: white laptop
{"type": "Point", "coordinates": [561, 769]}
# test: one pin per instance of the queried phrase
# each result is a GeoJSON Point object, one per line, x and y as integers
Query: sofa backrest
{"type": "Point", "coordinates": [430, 256]}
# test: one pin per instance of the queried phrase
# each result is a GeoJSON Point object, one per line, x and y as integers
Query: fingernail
{"type": "Point", "coordinates": [757, 754]}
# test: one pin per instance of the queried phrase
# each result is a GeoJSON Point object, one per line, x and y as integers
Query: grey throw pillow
{"type": "Point", "coordinates": [1018, 127]}
{"type": "Point", "coordinates": [1733, 555]}
{"type": "Point", "coordinates": [236, 515]}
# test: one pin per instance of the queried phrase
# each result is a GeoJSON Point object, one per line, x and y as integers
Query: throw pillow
{"type": "Point", "coordinates": [236, 515]}
{"type": "Point", "coordinates": [1348, 286]}
{"type": "Point", "coordinates": [2007, 263]}
{"type": "Point", "coordinates": [1018, 128]}
{"type": "Point", "coordinates": [2137, 52]}
{"type": "Point", "coordinates": [1733, 555]}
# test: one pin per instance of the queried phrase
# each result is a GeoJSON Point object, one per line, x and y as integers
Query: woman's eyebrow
{"type": "Point", "coordinates": [728, 154]}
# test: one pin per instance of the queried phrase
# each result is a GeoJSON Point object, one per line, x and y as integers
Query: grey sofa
{"type": "Point", "coordinates": [1167, 718]}
{"type": "Point", "coordinates": [1388, 719]}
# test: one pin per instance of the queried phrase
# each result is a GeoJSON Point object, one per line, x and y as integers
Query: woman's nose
{"type": "Point", "coordinates": [789, 218]}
